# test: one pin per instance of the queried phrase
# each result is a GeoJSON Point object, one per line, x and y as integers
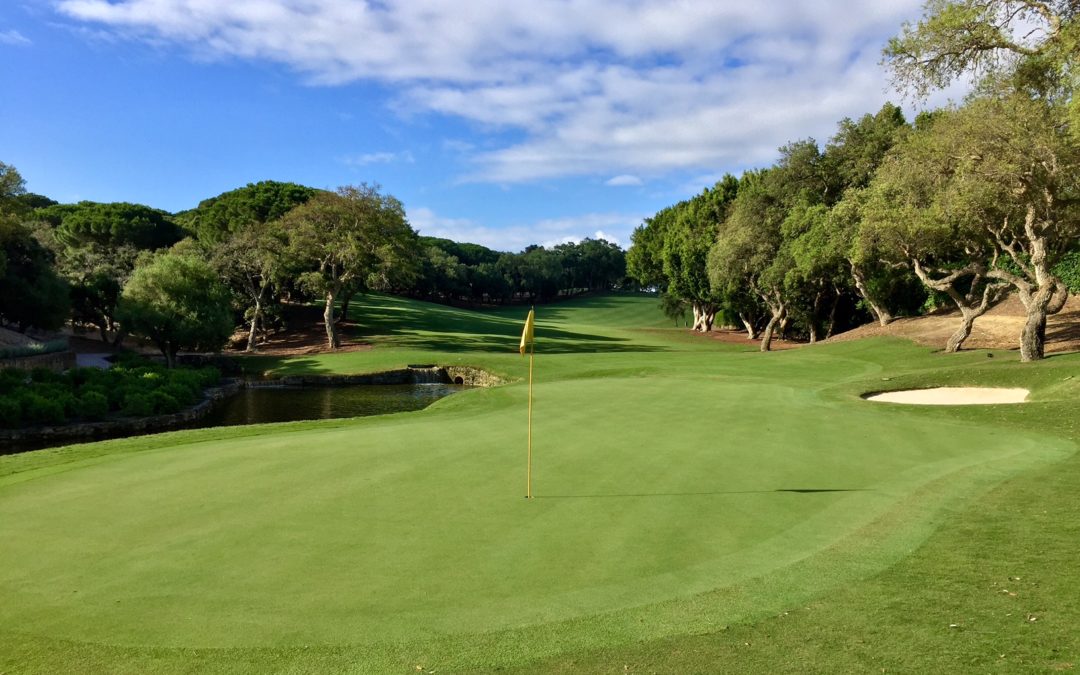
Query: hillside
{"type": "Point", "coordinates": [997, 329]}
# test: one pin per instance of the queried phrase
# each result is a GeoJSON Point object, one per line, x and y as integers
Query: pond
{"type": "Point", "coordinates": [259, 405]}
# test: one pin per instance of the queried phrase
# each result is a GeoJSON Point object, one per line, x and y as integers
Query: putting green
{"type": "Point", "coordinates": [668, 470]}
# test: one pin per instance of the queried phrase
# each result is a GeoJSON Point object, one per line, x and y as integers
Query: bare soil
{"type": "Point", "coordinates": [736, 336]}
{"type": "Point", "coordinates": [305, 335]}
{"type": "Point", "coordinates": [999, 328]}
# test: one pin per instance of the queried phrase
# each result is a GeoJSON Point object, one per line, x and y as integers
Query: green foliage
{"type": "Point", "coordinates": [137, 404]}
{"type": "Point", "coordinates": [31, 292]}
{"type": "Point", "coordinates": [93, 405]}
{"type": "Point", "coordinates": [10, 412]}
{"type": "Point", "coordinates": [1031, 43]}
{"type": "Point", "coordinates": [216, 218]}
{"type": "Point", "coordinates": [178, 302]}
{"type": "Point", "coordinates": [1068, 270]}
{"type": "Point", "coordinates": [163, 403]}
{"type": "Point", "coordinates": [135, 386]}
{"type": "Point", "coordinates": [37, 409]}
{"type": "Point", "coordinates": [111, 225]}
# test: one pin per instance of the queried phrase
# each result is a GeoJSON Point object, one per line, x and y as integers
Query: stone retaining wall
{"type": "Point", "coordinates": [55, 361]}
{"type": "Point", "coordinates": [127, 426]}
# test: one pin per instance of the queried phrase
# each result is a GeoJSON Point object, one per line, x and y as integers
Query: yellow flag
{"type": "Point", "coordinates": [527, 334]}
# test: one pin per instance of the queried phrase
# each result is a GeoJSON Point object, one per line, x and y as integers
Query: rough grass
{"type": "Point", "coordinates": [701, 508]}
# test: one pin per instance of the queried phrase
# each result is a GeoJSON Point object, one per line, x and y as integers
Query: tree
{"type": "Point", "coordinates": [920, 214]}
{"type": "Point", "coordinates": [1031, 42]}
{"type": "Point", "coordinates": [1020, 176]}
{"type": "Point", "coordinates": [32, 295]}
{"type": "Point", "coordinates": [352, 238]}
{"type": "Point", "coordinates": [111, 224]}
{"type": "Point", "coordinates": [178, 302]}
{"type": "Point", "coordinates": [748, 253]}
{"type": "Point", "coordinates": [214, 219]}
{"type": "Point", "coordinates": [252, 262]}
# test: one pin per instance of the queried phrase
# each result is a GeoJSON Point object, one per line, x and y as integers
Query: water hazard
{"type": "Point", "coordinates": [258, 405]}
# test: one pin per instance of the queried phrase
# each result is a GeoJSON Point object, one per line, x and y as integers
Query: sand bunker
{"type": "Point", "coordinates": [952, 396]}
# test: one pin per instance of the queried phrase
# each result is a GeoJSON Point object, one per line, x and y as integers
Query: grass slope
{"type": "Point", "coordinates": [687, 491]}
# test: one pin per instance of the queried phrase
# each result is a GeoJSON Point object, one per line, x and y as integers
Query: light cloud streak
{"type": "Point", "coordinates": [14, 38]}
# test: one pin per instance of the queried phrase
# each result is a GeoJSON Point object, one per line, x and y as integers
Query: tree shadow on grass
{"type": "Point", "coordinates": [705, 494]}
{"type": "Point", "coordinates": [448, 329]}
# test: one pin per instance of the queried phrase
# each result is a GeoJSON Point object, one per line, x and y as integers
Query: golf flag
{"type": "Point", "coordinates": [528, 341]}
{"type": "Point", "coordinates": [527, 334]}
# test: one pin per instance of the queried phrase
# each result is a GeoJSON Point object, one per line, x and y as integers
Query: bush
{"type": "Point", "coordinates": [93, 405]}
{"type": "Point", "coordinates": [10, 413]}
{"type": "Point", "coordinates": [138, 404]}
{"type": "Point", "coordinates": [43, 375]}
{"type": "Point", "coordinates": [1069, 271]}
{"type": "Point", "coordinates": [40, 410]}
{"type": "Point", "coordinates": [184, 395]}
{"type": "Point", "coordinates": [209, 376]}
{"type": "Point", "coordinates": [163, 403]}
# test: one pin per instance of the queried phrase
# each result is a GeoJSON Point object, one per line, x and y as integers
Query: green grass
{"type": "Point", "coordinates": [701, 507]}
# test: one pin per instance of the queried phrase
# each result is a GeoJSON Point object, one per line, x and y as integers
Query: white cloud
{"type": "Point", "coordinates": [614, 227]}
{"type": "Point", "coordinates": [378, 158]}
{"type": "Point", "coordinates": [593, 87]}
{"type": "Point", "coordinates": [14, 38]}
{"type": "Point", "coordinates": [624, 180]}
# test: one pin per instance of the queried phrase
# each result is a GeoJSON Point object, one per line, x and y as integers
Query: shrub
{"type": "Point", "coordinates": [93, 405]}
{"type": "Point", "coordinates": [117, 395]}
{"type": "Point", "coordinates": [68, 402]}
{"type": "Point", "coordinates": [43, 375]}
{"type": "Point", "coordinates": [184, 395]}
{"type": "Point", "coordinates": [209, 376]}
{"type": "Point", "coordinates": [10, 413]}
{"type": "Point", "coordinates": [138, 404]}
{"type": "Point", "coordinates": [40, 410]}
{"type": "Point", "coordinates": [1069, 271]}
{"type": "Point", "coordinates": [163, 403]}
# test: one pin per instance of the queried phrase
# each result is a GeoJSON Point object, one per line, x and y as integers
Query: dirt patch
{"type": "Point", "coordinates": [734, 336]}
{"type": "Point", "coordinates": [999, 328]}
{"type": "Point", "coordinates": [952, 396]}
{"type": "Point", "coordinates": [305, 335]}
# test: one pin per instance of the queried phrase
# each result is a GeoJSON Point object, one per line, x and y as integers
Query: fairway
{"type": "Point", "coordinates": [682, 484]}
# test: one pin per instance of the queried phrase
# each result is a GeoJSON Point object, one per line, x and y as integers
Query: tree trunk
{"type": "Point", "coordinates": [832, 315]}
{"type": "Point", "coordinates": [345, 308]}
{"type": "Point", "coordinates": [254, 325]}
{"type": "Point", "coordinates": [332, 340]}
{"type": "Point", "coordinates": [770, 328]}
{"type": "Point", "coordinates": [779, 318]}
{"type": "Point", "coordinates": [751, 329]}
{"type": "Point", "coordinates": [704, 316]}
{"type": "Point", "coordinates": [880, 311]}
{"type": "Point", "coordinates": [956, 340]}
{"type": "Point", "coordinates": [813, 333]}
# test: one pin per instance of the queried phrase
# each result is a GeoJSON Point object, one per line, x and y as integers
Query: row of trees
{"type": "Point", "coordinates": [185, 281]}
{"type": "Point", "coordinates": [961, 206]}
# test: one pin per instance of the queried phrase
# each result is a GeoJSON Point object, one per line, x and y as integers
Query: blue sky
{"type": "Point", "coordinates": [495, 122]}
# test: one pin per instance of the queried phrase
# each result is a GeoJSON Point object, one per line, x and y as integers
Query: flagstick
{"type": "Point", "coordinates": [528, 471]}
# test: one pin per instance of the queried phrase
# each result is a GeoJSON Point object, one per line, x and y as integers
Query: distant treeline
{"type": "Point", "coordinates": [186, 280]}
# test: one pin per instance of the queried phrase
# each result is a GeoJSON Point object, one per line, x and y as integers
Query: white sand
{"type": "Point", "coordinates": [952, 396]}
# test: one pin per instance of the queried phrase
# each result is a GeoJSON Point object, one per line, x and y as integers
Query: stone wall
{"type": "Point", "coordinates": [55, 361]}
{"type": "Point", "coordinates": [127, 426]}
